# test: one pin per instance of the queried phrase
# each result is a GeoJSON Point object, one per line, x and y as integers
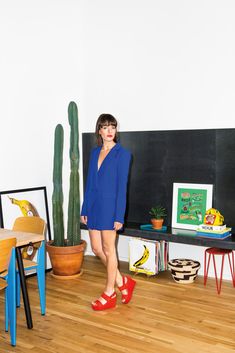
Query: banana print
{"type": "Point", "coordinates": [27, 209]}
{"type": "Point", "coordinates": [25, 206]}
{"type": "Point", "coordinates": [143, 258]}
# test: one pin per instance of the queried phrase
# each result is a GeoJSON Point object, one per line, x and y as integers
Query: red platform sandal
{"type": "Point", "coordinates": [129, 285]}
{"type": "Point", "coordinates": [110, 302]}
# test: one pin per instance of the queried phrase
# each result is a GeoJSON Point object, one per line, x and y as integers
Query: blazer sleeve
{"type": "Point", "coordinates": [123, 171]}
{"type": "Point", "coordinates": [88, 187]}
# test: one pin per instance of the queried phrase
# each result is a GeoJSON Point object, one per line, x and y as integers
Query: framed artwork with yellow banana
{"type": "Point", "coordinates": [25, 203]}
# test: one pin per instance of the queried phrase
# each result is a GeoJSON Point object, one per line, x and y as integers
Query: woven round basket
{"type": "Point", "coordinates": [184, 270]}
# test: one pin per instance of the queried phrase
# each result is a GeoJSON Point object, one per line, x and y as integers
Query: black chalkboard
{"type": "Point", "coordinates": [160, 158]}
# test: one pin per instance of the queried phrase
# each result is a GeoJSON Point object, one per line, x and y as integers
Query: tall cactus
{"type": "Point", "coordinates": [57, 197]}
{"type": "Point", "coordinates": [73, 229]}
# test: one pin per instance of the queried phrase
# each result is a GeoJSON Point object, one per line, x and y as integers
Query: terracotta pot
{"type": "Point", "coordinates": [157, 223]}
{"type": "Point", "coordinates": [66, 261]}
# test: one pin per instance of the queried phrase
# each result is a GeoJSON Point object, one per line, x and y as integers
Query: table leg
{"type": "Point", "coordinates": [24, 289]}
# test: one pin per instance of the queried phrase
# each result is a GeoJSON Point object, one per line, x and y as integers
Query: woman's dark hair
{"type": "Point", "coordinates": [105, 120]}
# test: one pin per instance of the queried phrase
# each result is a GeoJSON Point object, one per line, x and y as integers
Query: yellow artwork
{"type": "Point", "coordinates": [25, 206]}
{"type": "Point", "coordinates": [28, 210]}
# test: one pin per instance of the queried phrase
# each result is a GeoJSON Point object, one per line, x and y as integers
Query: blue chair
{"type": "Point", "coordinates": [33, 225]}
{"type": "Point", "coordinates": [8, 283]}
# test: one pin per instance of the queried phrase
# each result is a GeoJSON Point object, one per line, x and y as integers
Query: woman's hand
{"type": "Point", "coordinates": [117, 225]}
{"type": "Point", "coordinates": [84, 219]}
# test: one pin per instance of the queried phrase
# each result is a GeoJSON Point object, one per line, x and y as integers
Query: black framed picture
{"type": "Point", "coordinates": [24, 202]}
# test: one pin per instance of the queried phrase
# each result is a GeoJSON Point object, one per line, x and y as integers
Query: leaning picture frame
{"type": "Point", "coordinates": [25, 202]}
{"type": "Point", "coordinates": [190, 203]}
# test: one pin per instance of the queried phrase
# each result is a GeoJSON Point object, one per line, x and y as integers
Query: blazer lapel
{"type": "Point", "coordinates": [107, 159]}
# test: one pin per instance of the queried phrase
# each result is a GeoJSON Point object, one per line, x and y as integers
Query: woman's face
{"type": "Point", "coordinates": [108, 132]}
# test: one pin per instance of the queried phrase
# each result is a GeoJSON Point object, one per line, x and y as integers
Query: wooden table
{"type": "Point", "coordinates": [22, 239]}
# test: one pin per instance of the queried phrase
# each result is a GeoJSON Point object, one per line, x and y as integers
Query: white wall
{"type": "Point", "coordinates": [154, 64]}
{"type": "Point", "coordinates": [159, 65]}
{"type": "Point", "coordinates": [41, 70]}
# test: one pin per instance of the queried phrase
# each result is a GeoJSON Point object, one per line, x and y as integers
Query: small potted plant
{"type": "Point", "coordinates": [158, 213]}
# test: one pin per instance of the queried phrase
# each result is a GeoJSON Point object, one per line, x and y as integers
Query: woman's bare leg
{"type": "Point", "coordinates": [97, 249]}
{"type": "Point", "coordinates": [99, 246]}
{"type": "Point", "coordinates": [109, 249]}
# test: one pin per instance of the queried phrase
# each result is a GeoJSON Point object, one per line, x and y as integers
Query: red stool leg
{"type": "Point", "coordinates": [233, 269]}
{"type": "Point", "coordinates": [216, 278]}
{"type": "Point", "coordinates": [206, 266]}
{"type": "Point", "coordinates": [231, 265]}
{"type": "Point", "coordinates": [221, 274]}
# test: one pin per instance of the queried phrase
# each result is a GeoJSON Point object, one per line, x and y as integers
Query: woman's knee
{"type": "Point", "coordinates": [98, 251]}
{"type": "Point", "coordinates": [109, 251]}
{"type": "Point", "coordinates": [96, 244]}
{"type": "Point", "coordinates": [109, 243]}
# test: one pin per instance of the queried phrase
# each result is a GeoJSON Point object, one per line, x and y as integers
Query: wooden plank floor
{"type": "Point", "coordinates": [163, 317]}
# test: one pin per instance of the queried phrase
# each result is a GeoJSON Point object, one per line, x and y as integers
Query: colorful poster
{"type": "Point", "coordinates": [190, 202]}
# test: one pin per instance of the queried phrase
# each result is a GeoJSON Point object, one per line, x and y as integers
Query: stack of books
{"type": "Point", "coordinates": [210, 231]}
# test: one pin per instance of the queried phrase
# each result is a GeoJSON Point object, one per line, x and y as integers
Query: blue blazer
{"type": "Point", "coordinates": [105, 193]}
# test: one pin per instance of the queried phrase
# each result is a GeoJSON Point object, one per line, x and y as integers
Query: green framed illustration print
{"type": "Point", "coordinates": [190, 202]}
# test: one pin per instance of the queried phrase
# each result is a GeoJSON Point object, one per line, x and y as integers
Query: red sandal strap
{"type": "Point", "coordinates": [124, 285]}
{"type": "Point", "coordinates": [97, 303]}
{"type": "Point", "coordinates": [108, 297]}
{"type": "Point", "coordinates": [129, 286]}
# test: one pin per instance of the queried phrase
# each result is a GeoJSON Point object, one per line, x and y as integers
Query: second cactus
{"type": "Point", "coordinates": [73, 229]}
{"type": "Point", "coordinates": [74, 233]}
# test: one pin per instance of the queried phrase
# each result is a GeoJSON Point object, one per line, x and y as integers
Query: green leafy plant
{"type": "Point", "coordinates": [158, 212]}
{"type": "Point", "coordinates": [73, 228]}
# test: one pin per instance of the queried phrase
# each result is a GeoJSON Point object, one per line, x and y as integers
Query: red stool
{"type": "Point", "coordinates": [222, 252]}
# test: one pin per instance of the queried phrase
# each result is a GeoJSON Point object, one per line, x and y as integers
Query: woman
{"type": "Point", "coordinates": [104, 207]}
